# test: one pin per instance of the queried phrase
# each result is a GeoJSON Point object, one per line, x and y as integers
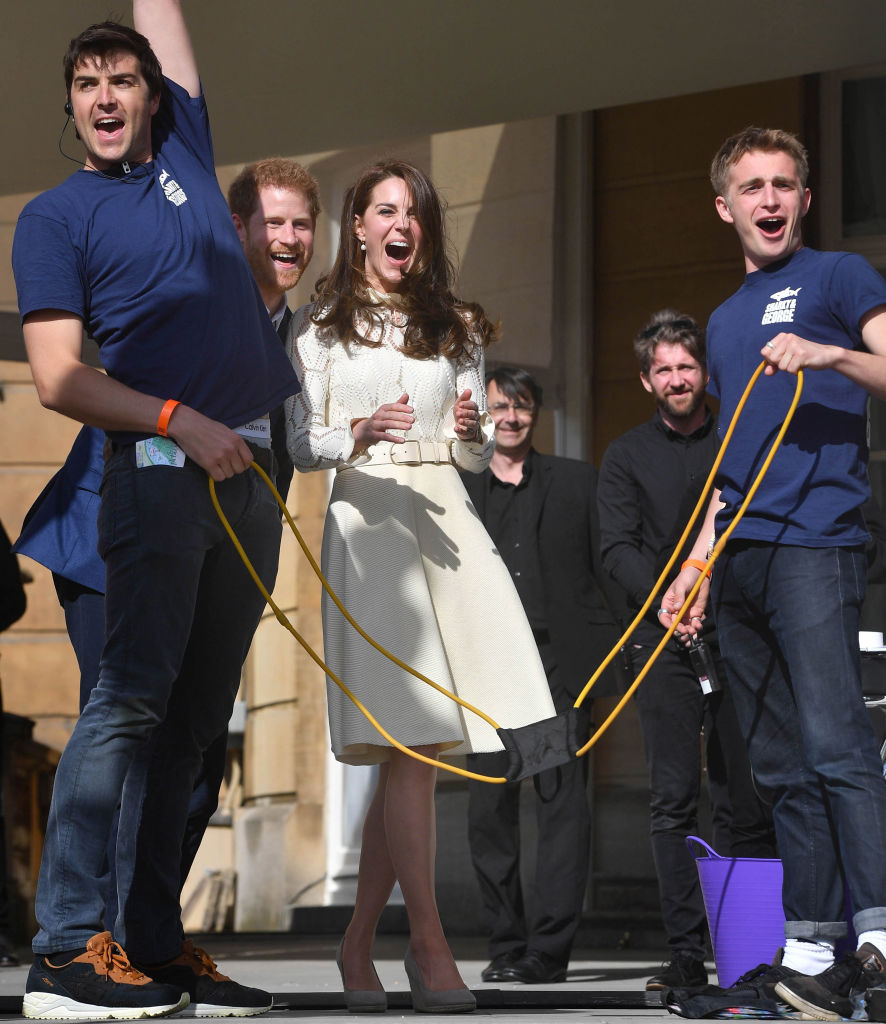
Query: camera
{"type": "Point", "coordinates": [703, 665]}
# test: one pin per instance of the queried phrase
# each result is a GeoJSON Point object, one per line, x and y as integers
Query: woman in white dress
{"type": "Point", "coordinates": [391, 366]}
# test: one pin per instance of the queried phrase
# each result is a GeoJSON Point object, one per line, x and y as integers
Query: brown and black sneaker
{"type": "Point", "coordinates": [212, 994]}
{"type": "Point", "coordinates": [833, 994]}
{"type": "Point", "coordinates": [98, 984]}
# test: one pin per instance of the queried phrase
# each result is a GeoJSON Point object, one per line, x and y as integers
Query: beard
{"type": "Point", "coordinates": [271, 275]}
{"type": "Point", "coordinates": [683, 406]}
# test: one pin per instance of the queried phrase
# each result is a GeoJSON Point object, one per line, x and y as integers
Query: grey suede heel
{"type": "Point", "coordinates": [359, 1000]}
{"type": "Point", "coordinates": [425, 1000]}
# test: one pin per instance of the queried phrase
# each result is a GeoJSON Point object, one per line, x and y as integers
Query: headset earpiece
{"type": "Point", "coordinates": [69, 110]}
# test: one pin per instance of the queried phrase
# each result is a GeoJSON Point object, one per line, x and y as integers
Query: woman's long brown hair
{"type": "Point", "coordinates": [439, 323]}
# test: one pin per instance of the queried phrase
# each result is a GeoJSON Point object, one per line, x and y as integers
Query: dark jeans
{"type": "Point", "coordinates": [788, 624]}
{"type": "Point", "coordinates": [674, 714]}
{"type": "Point", "coordinates": [181, 611]}
{"type": "Point", "coordinates": [562, 853]}
{"type": "Point", "coordinates": [84, 610]}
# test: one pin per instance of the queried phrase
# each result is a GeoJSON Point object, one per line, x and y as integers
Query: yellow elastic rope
{"type": "Point", "coordinates": [699, 505]}
{"type": "Point", "coordinates": [284, 621]}
{"type": "Point", "coordinates": [718, 547]}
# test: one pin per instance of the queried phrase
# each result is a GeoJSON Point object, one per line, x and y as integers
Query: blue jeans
{"type": "Point", "coordinates": [181, 613]}
{"type": "Point", "coordinates": [787, 619]}
{"type": "Point", "coordinates": [85, 619]}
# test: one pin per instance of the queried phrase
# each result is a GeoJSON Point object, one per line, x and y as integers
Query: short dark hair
{"type": "Point", "coordinates": [275, 172]}
{"type": "Point", "coordinates": [515, 383]}
{"type": "Point", "coordinates": [107, 37]}
{"type": "Point", "coordinates": [671, 328]}
{"type": "Point", "coordinates": [757, 140]}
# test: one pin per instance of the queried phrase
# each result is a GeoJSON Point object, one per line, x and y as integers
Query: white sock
{"type": "Point", "coordinates": [876, 937]}
{"type": "Point", "coordinates": [808, 956]}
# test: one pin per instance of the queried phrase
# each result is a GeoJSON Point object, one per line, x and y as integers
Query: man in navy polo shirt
{"type": "Point", "coordinates": [140, 249]}
{"type": "Point", "coordinates": [789, 584]}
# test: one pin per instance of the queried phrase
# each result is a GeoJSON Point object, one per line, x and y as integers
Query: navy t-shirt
{"type": "Point", "coordinates": [153, 265]}
{"type": "Point", "coordinates": [818, 478]}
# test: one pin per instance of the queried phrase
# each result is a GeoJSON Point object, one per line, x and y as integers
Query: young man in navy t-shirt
{"type": "Point", "coordinates": [139, 248]}
{"type": "Point", "coordinates": [789, 584]}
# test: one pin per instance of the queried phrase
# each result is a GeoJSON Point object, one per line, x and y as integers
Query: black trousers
{"type": "Point", "coordinates": [674, 714]}
{"type": "Point", "coordinates": [562, 855]}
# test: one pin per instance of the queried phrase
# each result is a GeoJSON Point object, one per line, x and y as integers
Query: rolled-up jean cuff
{"type": "Point", "coordinates": [814, 930]}
{"type": "Point", "coordinates": [868, 920]}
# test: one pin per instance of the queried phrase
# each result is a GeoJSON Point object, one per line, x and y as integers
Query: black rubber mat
{"type": "Point", "coordinates": [493, 999]}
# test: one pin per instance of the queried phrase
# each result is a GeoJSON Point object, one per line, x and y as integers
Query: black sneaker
{"type": "Point", "coordinates": [211, 993]}
{"type": "Point", "coordinates": [751, 995]}
{"type": "Point", "coordinates": [100, 984]}
{"type": "Point", "coordinates": [829, 995]}
{"type": "Point", "coordinates": [875, 1003]}
{"type": "Point", "coordinates": [684, 971]}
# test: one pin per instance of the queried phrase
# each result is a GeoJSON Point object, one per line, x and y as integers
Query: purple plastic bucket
{"type": "Point", "coordinates": [742, 899]}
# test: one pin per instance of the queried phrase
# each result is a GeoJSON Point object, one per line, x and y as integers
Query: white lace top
{"type": "Point", "coordinates": [341, 383]}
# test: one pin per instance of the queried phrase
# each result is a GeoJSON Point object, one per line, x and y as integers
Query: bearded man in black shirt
{"type": "Point", "coordinates": [650, 480]}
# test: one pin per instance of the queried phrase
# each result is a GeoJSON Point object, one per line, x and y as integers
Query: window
{"type": "Point", "coordinates": [852, 193]}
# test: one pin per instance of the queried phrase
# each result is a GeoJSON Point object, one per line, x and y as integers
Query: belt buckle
{"type": "Point", "coordinates": [414, 453]}
{"type": "Point", "coordinates": [406, 454]}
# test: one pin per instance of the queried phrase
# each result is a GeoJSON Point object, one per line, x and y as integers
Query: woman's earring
{"type": "Point", "coordinates": [362, 247]}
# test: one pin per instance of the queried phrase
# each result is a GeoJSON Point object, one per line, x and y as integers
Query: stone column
{"type": "Point", "coordinates": [279, 841]}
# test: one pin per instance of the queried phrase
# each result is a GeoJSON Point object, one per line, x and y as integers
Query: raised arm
{"type": "Point", "coordinates": [163, 23]}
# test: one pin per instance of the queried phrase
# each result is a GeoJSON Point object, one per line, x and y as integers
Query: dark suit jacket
{"type": "Point", "coordinates": [60, 530]}
{"type": "Point", "coordinates": [563, 497]}
{"type": "Point", "coordinates": [278, 425]}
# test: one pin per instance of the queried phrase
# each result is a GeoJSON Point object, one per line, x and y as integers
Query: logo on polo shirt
{"type": "Point", "coordinates": [781, 309]}
{"type": "Point", "coordinates": [174, 192]}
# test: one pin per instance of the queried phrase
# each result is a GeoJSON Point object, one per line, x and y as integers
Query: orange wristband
{"type": "Point", "coordinates": [165, 413]}
{"type": "Point", "coordinates": [697, 563]}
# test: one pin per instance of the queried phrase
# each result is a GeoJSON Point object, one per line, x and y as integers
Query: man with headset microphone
{"type": "Point", "coordinates": [140, 249]}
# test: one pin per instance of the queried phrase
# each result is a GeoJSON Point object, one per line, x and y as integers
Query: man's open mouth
{"type": "Point", "coordinates": [771, 225]}
{"type": "Point", "coordinates": [285, 259]}
{"type": "Point", "coordinates": [108, 125]}
{"type": "Point", "coordinates": [397, 251]}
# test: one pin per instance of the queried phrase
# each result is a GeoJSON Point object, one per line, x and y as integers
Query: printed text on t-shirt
{"type": "Point", "coordinates": [781, 309]}
{"type": "Point", "coordinates": [174, 192]}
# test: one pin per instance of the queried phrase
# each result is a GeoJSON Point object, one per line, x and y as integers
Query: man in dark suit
{"type": "Point", "coordinates": [275, 204]}
{"type": "Point", "coordinates": [541, 512]}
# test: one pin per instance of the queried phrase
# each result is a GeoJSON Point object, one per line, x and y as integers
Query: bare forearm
{"type": "Point", "coordinates": [863, 368]}
{"type": "Point", "coordinates": [791, 353]}
{"type": "Point", "coordinates": [90, 396]}
{"type": "Point", "coordinates": [706, 533]}
{"type": "Point", "coordinates": [163, 23]}
{"type": "Point", "coordinates": [87, 395]}
{"type": "Point", "coordinates": [676, 594]}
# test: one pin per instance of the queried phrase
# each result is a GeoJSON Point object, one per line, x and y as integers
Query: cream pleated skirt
{"type": "Point", "coordinates": [407, 554]}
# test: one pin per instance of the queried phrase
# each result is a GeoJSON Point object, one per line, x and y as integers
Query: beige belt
{"type": "Point", "coordinates": [413, 453]}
